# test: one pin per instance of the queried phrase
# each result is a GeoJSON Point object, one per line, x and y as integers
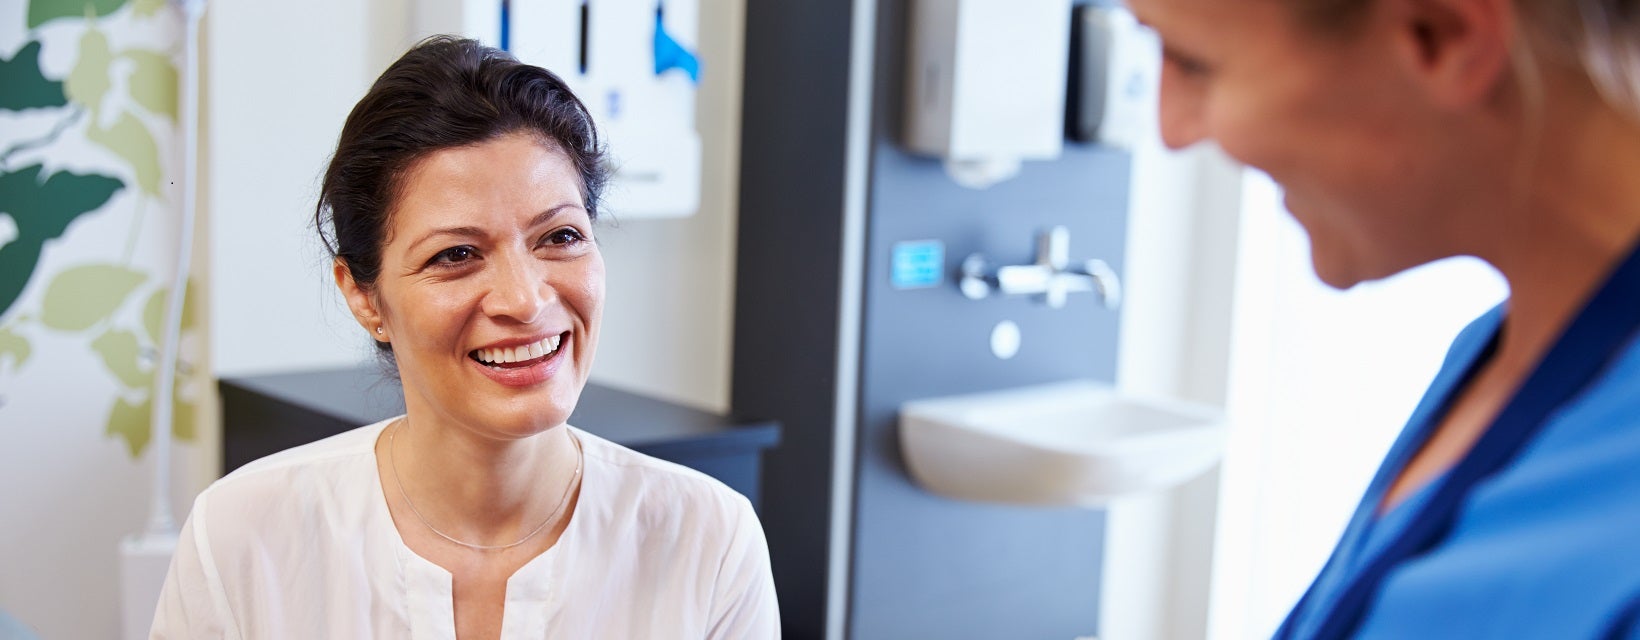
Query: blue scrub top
{"type": "Point", "coordinates": [1545, 545]}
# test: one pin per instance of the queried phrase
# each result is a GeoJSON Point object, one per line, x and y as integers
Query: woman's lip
{"type": "Point", "coordinates": [524, 376]}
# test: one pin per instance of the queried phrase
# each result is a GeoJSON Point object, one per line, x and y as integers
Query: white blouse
{"type": "Point", "coordinates": [300, 545]}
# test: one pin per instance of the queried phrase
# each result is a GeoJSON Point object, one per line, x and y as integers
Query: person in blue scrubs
{"type": "Point", "coordinates": [1407, 131]}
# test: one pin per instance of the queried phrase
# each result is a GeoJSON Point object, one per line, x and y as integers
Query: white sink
{"type": "Point", "coordinates": [1070, 443]}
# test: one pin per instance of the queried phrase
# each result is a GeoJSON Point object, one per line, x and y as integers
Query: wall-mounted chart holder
{"type": "Point", "coordinates": [632, 62]}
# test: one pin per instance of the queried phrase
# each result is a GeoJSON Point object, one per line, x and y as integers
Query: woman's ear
{"type": "Point", "coordinates": [359, 301]}
{"type": "Point", "coordinates": [1460, 50]}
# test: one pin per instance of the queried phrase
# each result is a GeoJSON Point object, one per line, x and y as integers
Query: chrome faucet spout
{"type": "Point", "coordinates": [1104, 282]}
{"type": "Point", "coordinates": [1051, 275]}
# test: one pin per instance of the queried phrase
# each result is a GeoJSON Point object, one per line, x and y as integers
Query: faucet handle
{"type": "Point", "coordinates": [1054, 248]}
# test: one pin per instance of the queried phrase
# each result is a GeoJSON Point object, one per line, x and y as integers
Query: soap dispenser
{"type": "Point", "coordinates": [985, 84]}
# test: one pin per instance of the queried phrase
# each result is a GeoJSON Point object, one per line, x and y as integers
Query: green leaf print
{"type": "Point", "coordinates": [131, 141]}
{"type": "Point", "coordinates": [130, 422]}
{"type": "Point", "coordinates": [80, 297]}
{"type": "Point", "coordinates": [122, 354]}
{"type": "Point", "coordinates": [42, 210]}
{"type": "Point", "coordinates": [154, 82]}
{"type": "Point", "coordinates": [23, 86]}
{"type": "Point", "coordinates": [13, 346]}
{"type": "Point", "coordinates": [153, 313]}
{"type": "Point", "coordinates": [42, 11]}
{"type": "Point", "coordinates": [182, 416]}
{"type": "Point", "coordinates": [88, 82]}
{"type": "Point", "coordinates": [146, 8]}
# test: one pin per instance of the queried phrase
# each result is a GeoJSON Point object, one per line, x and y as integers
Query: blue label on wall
{"type": "Point", "coordinates": [919, 264]}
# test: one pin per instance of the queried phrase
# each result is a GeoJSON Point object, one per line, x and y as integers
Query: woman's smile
{"type": "Point", "coordinates": [518, 353]}
{"type": "Point", "coordinates": [522, 363]}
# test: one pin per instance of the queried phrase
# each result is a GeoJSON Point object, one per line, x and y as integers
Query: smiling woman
{"type": "Point", "coordinates": [489, 249]}
{"type": "Point", "coordinates": [460, 207]}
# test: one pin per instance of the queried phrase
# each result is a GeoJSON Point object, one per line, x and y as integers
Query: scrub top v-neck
{"type": "Point", "coordinates": [1370, 540]}
{"type": "Point", "coordinates": [1535, 533]}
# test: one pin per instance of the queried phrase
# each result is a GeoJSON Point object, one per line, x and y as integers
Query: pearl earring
{"type": "Point", "coordinates": [378, 329]}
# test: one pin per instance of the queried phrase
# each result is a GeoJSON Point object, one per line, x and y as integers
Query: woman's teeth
{"type": "Point", "coordinates": [507, 355]}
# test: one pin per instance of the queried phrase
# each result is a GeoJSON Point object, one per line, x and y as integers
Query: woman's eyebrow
{"type": "Point", "coordinates": [468, 231]}
{"type": "Point", "coordinates": [549, 214]}
{"type": "Point", "coordinates": [459, 232]}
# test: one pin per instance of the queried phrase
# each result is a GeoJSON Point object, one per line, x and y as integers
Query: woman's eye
{"type": "Point", "coordinates": [454, 256]}
{"type": "Point", "coordinates": [1185, 64]}
{"type": "Point", "coordinates": [565, 236]}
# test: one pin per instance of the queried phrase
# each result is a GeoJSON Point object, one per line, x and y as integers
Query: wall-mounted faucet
{"type": "Point", "coordinates": [1051, 275]}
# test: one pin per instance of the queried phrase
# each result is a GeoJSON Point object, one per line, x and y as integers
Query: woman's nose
{"type": "Point", "coordinates": [519, 289]}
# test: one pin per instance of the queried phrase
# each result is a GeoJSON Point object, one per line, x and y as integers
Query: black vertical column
{"type": "Point", "coordinates": [787, 286]}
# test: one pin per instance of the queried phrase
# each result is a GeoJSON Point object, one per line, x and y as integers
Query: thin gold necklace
{"type": "Point", "coordinates": [393, 464]}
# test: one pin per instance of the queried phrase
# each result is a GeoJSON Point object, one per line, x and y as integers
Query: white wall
{"type": "Point", "coordinates": [280, 80]}
{"type": "Point", "coordinates": [1178, 283]}
{"type": "Point", "coordinates": [669, 325]}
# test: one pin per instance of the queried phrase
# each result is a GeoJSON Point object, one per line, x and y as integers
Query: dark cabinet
{"type": "Point", "coordinates": [269, 413]}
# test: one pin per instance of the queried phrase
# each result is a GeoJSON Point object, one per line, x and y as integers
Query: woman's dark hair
{"type": "Point", "coordinates": [445, 92]}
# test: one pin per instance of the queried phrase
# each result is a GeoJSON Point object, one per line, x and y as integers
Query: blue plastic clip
{"type": "Point", "coordinates": [671, 55]}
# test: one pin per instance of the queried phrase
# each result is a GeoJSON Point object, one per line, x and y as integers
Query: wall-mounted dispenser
{"type": "Point", "coordinates": [985, 84]}
{"type": "Point", "coordinates": [632, 62]}
{"type": "Point", "coordinates": [1114, 74]}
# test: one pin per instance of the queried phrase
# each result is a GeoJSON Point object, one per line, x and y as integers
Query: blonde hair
{"type": "Point", "coordinates": [1609, 49]}
{"type": "Point", "coordinates": [1600, 37]}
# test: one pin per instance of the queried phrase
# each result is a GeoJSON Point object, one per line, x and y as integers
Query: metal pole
{"type": "Point", "coordinates": [160, 521]}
